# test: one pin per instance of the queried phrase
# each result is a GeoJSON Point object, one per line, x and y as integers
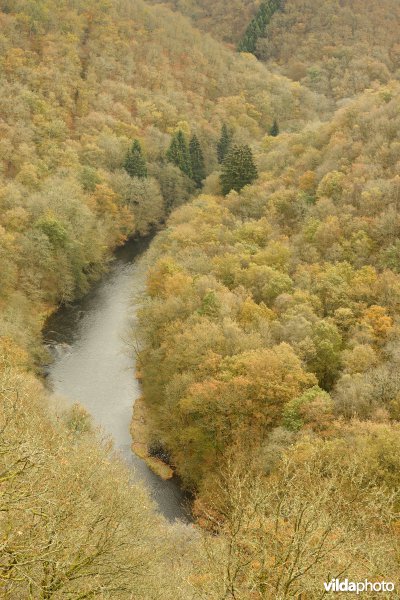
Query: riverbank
{"type": "Point", "coordinates": [141, 441]}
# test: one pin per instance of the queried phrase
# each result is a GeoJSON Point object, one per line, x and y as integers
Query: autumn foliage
{"type": "Point", "coordinates": [270, 334]}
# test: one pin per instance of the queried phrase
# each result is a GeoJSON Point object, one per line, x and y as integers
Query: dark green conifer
{"type": "Point", "coordinates": [135, 163]}
{"type": "Point", "coordinates": [258, 25]}
{"type": "Point", "coordinates": [178, 153]}
{"type": "Point", "coordinates": [238, 169]}
{"type": "Point", "coordinates": [274, 131]}
{"type": "Point", "coordinates": [197, 161]}
{"type": "Point", "coordinates": [224, 143]}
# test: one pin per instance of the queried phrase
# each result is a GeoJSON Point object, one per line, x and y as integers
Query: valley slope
{"type": "Point", "coordinates": [270, 329]}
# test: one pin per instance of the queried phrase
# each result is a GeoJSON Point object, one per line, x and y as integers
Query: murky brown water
{"type": "Point", "coordinates": [95, 363]}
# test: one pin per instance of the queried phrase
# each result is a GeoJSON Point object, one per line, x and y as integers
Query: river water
{"type": "Point", "coordinates": [94, 364]}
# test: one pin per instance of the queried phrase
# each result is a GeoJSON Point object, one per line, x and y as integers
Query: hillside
{"type": "Point", "coordinates": [72, 523]}
{"type": "Point", "coordinates": [272, 324]}
{"type": "Point", "coordinates": [306, 260]}
{"type": "Point", "coordinates": [78, 84]}
{"type": "Point", "coordinates": [338, 48]}
{"type": "Point", "coordinates": [227, 25]}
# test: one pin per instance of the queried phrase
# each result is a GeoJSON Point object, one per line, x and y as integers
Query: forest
{"type": "Point", "coordinates": [260, 147]}
{"type": "Point", "coordinates": [213, 17]}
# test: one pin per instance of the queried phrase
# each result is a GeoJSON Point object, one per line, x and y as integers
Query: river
{"type": "Point", "coordinates": [94, 364]}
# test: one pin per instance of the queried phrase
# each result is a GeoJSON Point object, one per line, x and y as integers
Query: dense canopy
{"type": "Point", "coordinates": [269, 331]}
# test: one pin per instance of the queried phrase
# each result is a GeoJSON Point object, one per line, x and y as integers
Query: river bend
{"type": "Point", "coordinates": [94, 364]}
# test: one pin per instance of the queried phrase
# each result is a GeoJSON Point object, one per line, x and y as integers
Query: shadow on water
{"type": "Point", "coordinates": [94, 365]}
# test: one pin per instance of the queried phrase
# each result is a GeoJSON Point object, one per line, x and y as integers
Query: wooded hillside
{"type": "Point", "coordinates": [79, 83]}
{"type": "Point", "coordinates": [270, 328]}
{"type": "Point", "coordinates": [225, 23]}
{"type": "Point", "coordinates": [338, 48]}
{"type": "Point", "coordinates": [92, 93]}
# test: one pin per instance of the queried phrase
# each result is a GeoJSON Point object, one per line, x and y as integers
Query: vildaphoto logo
{"type": "Point", "coordinates": [358, 587]}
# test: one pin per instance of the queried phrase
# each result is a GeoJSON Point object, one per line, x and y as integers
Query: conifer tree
{"type": "Point", "coordinates": [274, 131]}
{"type": "Point", "coordinates": [135, 163]}
{"type": "Point", "coordinates": [238, 169]}
{"type": "Point", "coordinates": [224, 143]}
{"type": "Point", "coordinates": [178, 153]}
{"type": "Point", "coordinates": [197, 161]}
{"type": "Point", "coordinates": [258, 25]}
